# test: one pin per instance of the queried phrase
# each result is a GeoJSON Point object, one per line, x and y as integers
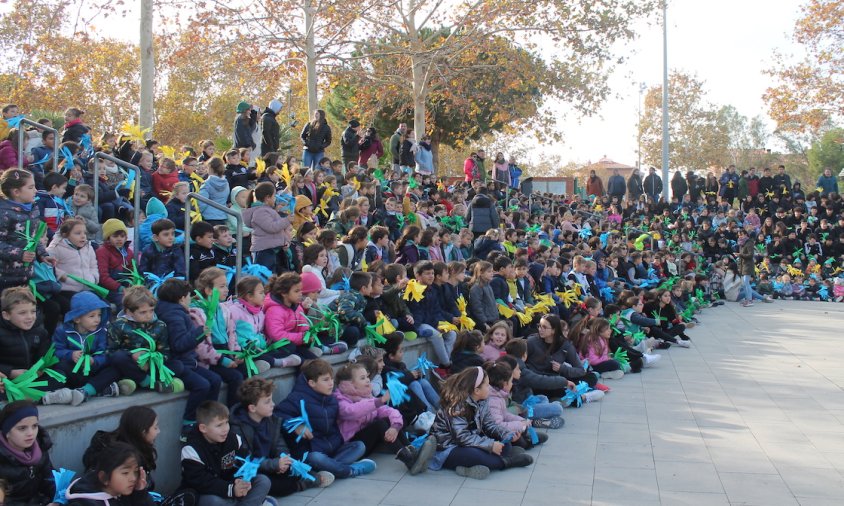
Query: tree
{"type": "Point", "coordinates": [827, 153]}
{"type": "Point", "coordinates": [697, 139]}
{"type": "Point", "coordinates": [579, 33]}
{"type": "Point", "coordinates": [810, 92]}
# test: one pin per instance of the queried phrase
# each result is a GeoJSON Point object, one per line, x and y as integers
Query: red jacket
{"type": "Point", "coordinates": [111, 264]}
{"type": "Point", "coordinates": [8, 155]}
{"type": "Point", "coordinates": [164, 183]}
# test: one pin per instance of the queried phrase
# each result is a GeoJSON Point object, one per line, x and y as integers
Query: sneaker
{"type": "Point", "coordinates": [321, 479]}
{"type": "Point", "coordinates": [262, 365]}
{"type": "Point", "coordinates": [127, 387]}
{"type": "Point", "coordinates": [335, 349]}
{"type": "Point", "coordinates": [78, 396]}
{"type": "Point", "coordinates": [555, 422]}
{"type": "Point", "coordinates": [409, 335]}
{"type": "Point", "coordinates": [363, 466]}
{"type": "Point", "coordinates": [60, 396]}
{"type": "Point", "coordinates": [178, 386]}
{"type": "Point", "coordinates": [767, 299]}
{"type": "Point", "coordinates": [683, 343]}
{"type": "Point", "coordinates": [601, 387]}
{"type": "Point", "coordinates": [316, 351]}
{"type": "Point", "coordinates": [663, 345]}
{"type": "Point", "coordinates": [650, 359]}
{"type": "Point", "coordinates": [163, 388]}
{"type": "Point", "coordinates": [112, 390]}
{"type": "Point", "coordinates": [424, 455]}
{"type": "Point", "coordinates": [613, 375]}
{"type": "Point", "coordinates": [517, 460]}
{"type": "Point", "coordinates": [474, 472]}
{"type": "Point", "coordinates": [291, 361]}
{"type": "Point", "coordinates": [592, 396]}
{"type": "Point", "coordinates": [690, 325]}
{"type": "Point", "coordinates": [269, 501]}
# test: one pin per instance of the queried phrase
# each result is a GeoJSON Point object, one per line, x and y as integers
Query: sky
{"type": "Point", "coordinates": [726, 43]}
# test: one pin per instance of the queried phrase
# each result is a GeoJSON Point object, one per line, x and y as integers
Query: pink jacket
{"type": "Point", "coordinates": [206, 353]}
{"type": "Point", "coordinates": [596, 358]}
{"type": "Point", "coordinates": [498, 409]}
{"type": "Point", "coordinates": [491, 352]}
{"type": "Point", "coordinates": [79, 262]}
{"type": "Point", "coordinates": [239, 312]}
{"type": "Point", "coordinates": [284, 322]}
{"type": "Point", "coordinates": [357, 410]}
{"type": "Point", "coordinates": [269, 229]}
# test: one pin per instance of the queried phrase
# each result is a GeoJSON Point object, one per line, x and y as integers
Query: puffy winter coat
{"type": "Point", "coordinates": [163, 261]}
{"type": "Point", "coordinates": [81, 304]}
{"type": "Point", "coordinates": [29, 484]}
{"type": "Point", "coordinates": [112, 264]}
{"type": "Point", "coordinates": [498, 409]}
{"type": "Point", "coordinates": [540, 360]}
{"type": "Point", "coordinates": [8, 155]}
{"type": "Point", "coordinates": [284, 322]}
{"type": "Point", "coordinates": [269, 229]}
{"type": "Point", "coordinates": [477, 429]}
{"type": "Point", "coordinates": [21, 348]}
{"type": "Point", "coordinates": [13, 219]}
{"type": "Point", "coordinates": [183, 335]}
{"type": "Point", "coordinates": [322, 411]}
{"type": "Point", "coordinates": [81, 262]}
{"type": "Point", "coordinates": [215, 188]}
{"type": "Point", "coordinates": [482, 214]}
{"type": "Point", "coordinates": [247, 429]}
{"type": "Point", "coordinates": [482, 306]}
{"type": "Point", "coordinates": [316, 140]}
{"type": "Point", "coordinates": [355, 413]}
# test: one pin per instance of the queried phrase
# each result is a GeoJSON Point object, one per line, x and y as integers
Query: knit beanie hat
{"type": "Point", "coordinates": [310, 283]}
{"type": "Point", "coordinates": [275, 106]}
{"type": "Point", "coordinates": [111, 226]}
{"type": "Point", "coordinates": [242, 107]}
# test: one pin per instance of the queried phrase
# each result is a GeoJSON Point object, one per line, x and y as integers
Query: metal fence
{"type": "Point", "coordinates": [224, 209]}
{"type": "Point", "coordinates": [137, 204]}
{"type": "Point", "coordinates": [37, 126]}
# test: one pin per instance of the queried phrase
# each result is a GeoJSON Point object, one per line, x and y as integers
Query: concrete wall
{"type": "Point", "coordinates": [71, 428]}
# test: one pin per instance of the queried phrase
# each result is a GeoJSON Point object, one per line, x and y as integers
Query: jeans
{"type": "Point", "coordinates": [442, 343]}
{"type": "Point", "coordinates": [311, 159]}
{"type": "Point", "coordinates": [255, 497]}
{"type": "Point", "coordinates": [233, 378]}
{"type": "Point", "coordinates": [754, 295]}
{"type": "Point", "coordinates": [202, 384]}
{"type": "Point", "coordinates": [746, 292]}
{"type": "Point", "coordinates": [470, 456]}
{"type": "Point", "coordinates": [423, 389]}
{"type": "Point", "coordinates": [99, 378]}
{"type": "Point", "coordinates": [267, 258]}
{"type": "Point", "coordinates": [338, 464]}
{"type": "Point", "coordinates": [545, 409]}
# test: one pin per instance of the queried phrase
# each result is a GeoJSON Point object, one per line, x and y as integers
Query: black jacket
{"type": "Point", "coordinates": [350, 144]}
{"type": "Point", "coordinates": [210, 467]}
{"type": "Point", "coordinates": [28, 484]}
{"type": "Point", "coordinates": [634, 187]}
{"type": "Point", "coordinates": [407, 157]}
{"type": "Point", "coordinates": [243, 129]}
{"type": "Point", "coordinates": [653, 185]}
{"type": "Point", "coordinates": [87, 491]}
{"type": "Point", "coordinates": [482, 214]}
{"type": "Point", "coordinates": [270, 132]}
{"type": "Point", "coordinates": [247, 429]}
{"type": "Point", "coordinates": [316, 140]}
{"type": "Point", "coordinates": [679, 187]}
{"type": "Point", "coordinates": [21, 348]}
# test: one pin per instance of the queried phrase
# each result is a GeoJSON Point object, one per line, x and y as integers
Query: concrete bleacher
{"type": "Point", "coordinates": [71, 428]}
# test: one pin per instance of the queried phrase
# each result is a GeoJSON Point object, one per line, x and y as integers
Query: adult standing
{"type": "Point", "coordinates": [782, 181]}
{"type": "Point", "coordinates": [425, 157]}
{"type": "Point", "coordinates": [395, 146]}
{"type": "Point", "coordinates": [828, 183]}
{"type": "Point", "coordinates": [270, 131]}
{"type": "Point", "coordinates": [692, 181]}
{"type": "Point", "coordinates": [752, 183]}
{"type": "Point", "coordinates": [634, 186]}
{"type": "Point", "coordinates": [728, 185]}
{"type": "Point", "coordinates": [653, 185]}
{"type": "Point", "coordinates": [515, 174]}
{"type": "Point", "coordinates": [317, 136]}
{"type": "Point", "coordinates": [470, 169]}
{"type": "Point", "coordinates": [407, 152]}
{"type": "Point", "coordinates": [370, 146]}
{"type": "Point", "coordinates": [350, 143]}
{"type": "Point", "coordinates": [766, 183]}
{"type": "Point", "coordinates": [482, 213]}
{"type": "Point", "coordinates": [479, 161]}
{"type": "Point", "coordinates": [245, 125]}
{"type": "Point", "coordinates": [679, 187]}
{"type": "Point", "coordinates": [616, 187]}
{"type": "Point", "coordinates": [711, 187]}
{"type": "Point", "coordinates": [501, 172]}
{"type": "Point", "coordinates": [594, 185]}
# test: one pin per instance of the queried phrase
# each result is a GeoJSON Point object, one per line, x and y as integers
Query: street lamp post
{"type": "Point", "coordinates": [642, 88]}
{"type": "Point", "coordinates": [665, 138]}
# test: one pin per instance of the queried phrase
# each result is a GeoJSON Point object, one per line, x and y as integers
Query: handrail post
{"type": "Point", "coordinates": [239, 232]}
{"type": "Point", "coordinates": [137, 210]}
{"type": "Point", "coordinates": [38, 126]}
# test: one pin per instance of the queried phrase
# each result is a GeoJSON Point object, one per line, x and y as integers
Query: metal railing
{"type": "Point", "coordinates": [37, 126]}
{"type": "Point", "coordinates": [221, 208]}
{"type": "Point", "coordinates": [137, 180]}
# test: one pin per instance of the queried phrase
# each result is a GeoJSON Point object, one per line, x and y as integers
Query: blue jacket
{"type": "Point", "coordinates": [448, 294]}
{"type": "Point", "coordinates": [425, 159]}
{"type": "Point", "coordinates": [828, 184]}
{"type": "Point", "coordinates": [515, 174]}
{"type": "Point", "coordinates": [500, 288]}
{"type": "Point", "coordinates": [322, 413]}
{"type": "Point", "coordinates": [81, 304]}
{"type": "Point", "coordinates": [163, 261]}
{"type": "Point", "coordinates": [183, 334]}
{"type": "Point", "coordinates": [428, 310]}
{"type": "Point", "coordinates": [215, 188]}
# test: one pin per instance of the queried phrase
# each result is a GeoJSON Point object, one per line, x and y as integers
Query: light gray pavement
{"type": "Point", "coordinates": [752, 413]}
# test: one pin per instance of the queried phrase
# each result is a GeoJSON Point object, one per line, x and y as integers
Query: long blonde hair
{"type": "Point", "coordinates": [478, 269]}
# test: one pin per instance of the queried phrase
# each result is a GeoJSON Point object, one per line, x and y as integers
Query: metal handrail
{"type": "Point", "coordinates": [137, 204]}
{"type": "Point", "coordinates": [224, 209]}
{"type": "Point", "coordinates": [38, 126]}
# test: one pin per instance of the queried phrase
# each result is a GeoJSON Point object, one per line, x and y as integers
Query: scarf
{"type": "Point", "coordinates": [249, 307]}
{"type": "Point", "coordinates": [28, 457]}
{"type": "Point", "coordinates": [352, 393]}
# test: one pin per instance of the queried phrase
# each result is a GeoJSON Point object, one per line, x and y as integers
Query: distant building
{"type": "Point", "coordinates": [604, 169]}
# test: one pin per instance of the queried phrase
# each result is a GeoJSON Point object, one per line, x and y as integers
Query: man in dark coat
{"type": "Point", "coordinates": [653, 185]}
{"type": "Point", "coordinates": [270, 132]}
{"type": "Point", "coordinates": [634, 186]}
{"type": "Point", "coordinates": [350, 143]}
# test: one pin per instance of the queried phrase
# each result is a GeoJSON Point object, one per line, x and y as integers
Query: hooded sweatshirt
{"type": "Point", "coordinates": [358, 408]}
{"type": "Point", "coordinates": [81, 262]}
{"type": "Point", "coordinates": [81, 304]}
{"type": "Point", "coordinates": [230, 220]}
{"type": "Point", "coordinates": [87, 491]}
{"type": "Point", "coordinates": [215, 188]}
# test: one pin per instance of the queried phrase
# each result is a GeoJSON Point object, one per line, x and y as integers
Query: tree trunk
{"type": "Point", "coordinates": [147, 66]}
{"type": "Point", "coordinates": [310, 57]}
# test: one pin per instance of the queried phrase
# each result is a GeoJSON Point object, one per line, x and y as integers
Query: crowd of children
{"type": "Point", "coordinates": [529, 305]}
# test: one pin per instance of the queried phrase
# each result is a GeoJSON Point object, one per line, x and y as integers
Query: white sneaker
{"type": "Point", "coordinates": [424, 421]}
{"type": "Point", "coordinates": [682, 343]}
{"type": "Point", "coordinates": [612, 375]}
{"type": "Point", "coordinates": [262, 365]}
{"type": "Point", "coordinates": [592, 396]}
{"type": "Point", "coordinates": [652, 342]}
{"type": "Point", "coordinates": [650, 359]}
{"type": "Point", "coordinates": [60, 396]}
{"type": "Point", "coordinates": [642, 347]}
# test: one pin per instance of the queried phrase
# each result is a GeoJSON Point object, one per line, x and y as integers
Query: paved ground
{"type": "Point", "coordinates": [753, 413]}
